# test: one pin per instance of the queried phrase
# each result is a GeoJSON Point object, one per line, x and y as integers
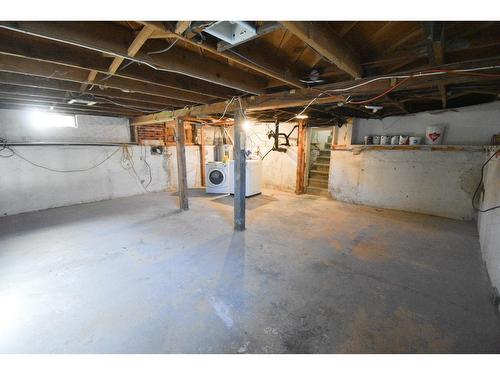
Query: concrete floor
{"type": "Point", "coordinates": [310, 275]}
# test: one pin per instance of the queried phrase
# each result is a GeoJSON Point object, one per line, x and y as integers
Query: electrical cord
{"type": "Point", "coordinates": [126, 162]}
{"type": "Point", "coordinates": [163, 50]}
{"type": "Point", "coordinates": [14, 152]}
{"type": "Point", "coordinates": [404, 77]}
{"type": "Point", "coordinates": [481, 183]}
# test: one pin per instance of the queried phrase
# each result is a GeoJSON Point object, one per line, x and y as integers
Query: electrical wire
{"type": "Point", "coordinates": [482, 184]}
{"type": "Point", "coordinates": [14, 152]}
{"type": "Point", "coordinates": [404, 77]}
{"type": "Point", "coordinates": [126, 162]}
{"type": "Point", "coordinates": [163, 50]}
{"type": "Point", "coordinates": [132, 107]}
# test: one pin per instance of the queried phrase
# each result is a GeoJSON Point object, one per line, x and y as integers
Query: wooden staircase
{"type": "Point", "coordinates": [318, 175]}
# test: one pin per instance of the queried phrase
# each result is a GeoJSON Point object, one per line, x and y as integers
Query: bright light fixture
{"type": "Point", "coordinates": [246, 125]}
{"type": "Point", "coordinates": [302, 116]}
{"type": "Point", "coordinates": [51, 120]}
{"type": "Point", "coordinates": [81, 101]}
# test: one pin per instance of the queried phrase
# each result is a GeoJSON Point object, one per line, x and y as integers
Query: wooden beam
{"type": "Point", "coordinates": [326, 44]}
{"type": "Point", "coordinates": [435, 47]}
{"type": "Point", "coordinates": [301, 165]}
{"type": "Point", "coordinates": [105, 39]}
{"type": "Point", "coordinates": [299, 98]}
{"type": "Point", "coordinates": [202, 155]}
{"type": "Point", "coordinates": [182, 26]}
{"type": "Point", "coordinates": [239, 170]}
{"type": "Point", "coordinates": [32, 67]}
{"type": "Point", "coordinates": [181, 164]}
{"type": "Point", "coordinates": [134, 47]}
{"type": "Point", "coordinates": [59, 86]}
{"type": "Point", "coordinates": [64, 54]}
{"type": "Point", "coordinates": [263, 67]}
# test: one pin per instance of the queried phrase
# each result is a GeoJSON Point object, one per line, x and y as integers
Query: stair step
{"type": "Point", "coordinates": [320, 175]}
{"type": "Point", "coordinates": [323, 159]}
{"type": "Point", "coordinates": [317, 191]}
{"type": "Point", "coordinates": [324, 152]}
{"type": "Point", "coordinates": [320, 167]}
{"type": "Point", "coordinates": [319, 171]}
{"type": "Point", "coordinates": [317, 182]}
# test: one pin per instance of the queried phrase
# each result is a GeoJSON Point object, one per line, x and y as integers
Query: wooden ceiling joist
{"type": "Point", "coordinates": [304, 97]}
{"type": "Point", "coordinates": [134, 47]}
{"type": "Point", "coordinates": [72, 88]}
{"type": "Point", "coordinates": [51, 52]}
{"type": "Point", "coordinates": [262, 66]}
{"type": "Point", "coordinates": [53, 71]}
{"type": "Point", "coordinates": [179, 61]}
{"type": "Point", "coordinates": [328, 45]}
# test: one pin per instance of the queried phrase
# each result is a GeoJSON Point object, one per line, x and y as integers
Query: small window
{"type": "Point", "coordinates": [41, 119]}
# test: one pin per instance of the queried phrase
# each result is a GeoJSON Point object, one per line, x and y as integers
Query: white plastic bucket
{"type": "Point", "coordinates": [415, 140]}
{"type": "Point", "coordinates": [434, 135]}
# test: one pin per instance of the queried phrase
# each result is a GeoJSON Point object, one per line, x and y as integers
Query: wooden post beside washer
{"type": "Point", "coordinates": [180, 140]}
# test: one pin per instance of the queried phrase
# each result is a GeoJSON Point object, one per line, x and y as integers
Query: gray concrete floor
{"type": "Point", "coordinates": [310, 275]}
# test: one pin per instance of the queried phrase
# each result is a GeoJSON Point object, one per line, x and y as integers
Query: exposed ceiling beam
{"type": "Point", "coordinates": [61, 95]}
{"type": "Point", "coordinates": [26, 66]}
{"type": "Point", "coordinates": [435, 46]}
{"type": "Point", "coordinates": [304, 97]}
{"type": "Point", "coordinates": [26, 81]}
{"type": "Point", "coordinates": [52, 52]}
{"type": "Point", "coordinates": [181, 26]}
{"type": "Point", "coordinates": [106, 39]}
{"type": "Point", "coordinates": [327, 44]}
{"type": "Point", "coordinates": [134, 47]}
{"type": "Point", "coordinates": [261, 67]}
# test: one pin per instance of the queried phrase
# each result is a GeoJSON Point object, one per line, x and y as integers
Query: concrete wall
{"type": "Point", "coordinates": [278, 168]}
{"type": "Point", "coordinates": [472, 125]}
{"type": "Point", "coordinates": [24, 187]}
{"type": "Point", "coordinates": [432, 182]}
{"type": "Point", "coordinates": [21, 126]}
{"type": "Point", "coordinates": [489, 222]}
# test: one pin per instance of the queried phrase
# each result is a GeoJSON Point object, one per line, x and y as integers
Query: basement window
{"type": "Point", "coordinates": [41, 119]}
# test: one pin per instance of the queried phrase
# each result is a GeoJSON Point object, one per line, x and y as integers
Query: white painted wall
{"type": "Point", "coordinates": [24, 187]}
{"type": "Point", "coordinates": [278, 168]}
{"type": "Point", "coordinates": [22, 126]}
{"type": "Point", "coordinates": [473, 125]}
{"type": "Point", "coordinates": [432, 182]}
{"type": "Point", "coordinates": [489, 222]}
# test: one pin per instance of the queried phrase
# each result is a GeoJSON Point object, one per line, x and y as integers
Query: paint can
{"type": "Point", "coordinates": [376, 139]}
{"type": "Point", "coordinates": [395, 140]}
{"type": "Point", "coordinates": [403, 139]}
{"type": "Point", "coordinates": [415, 140]}
{"type": "Point", "coordinates": [434, 135]}
{"type": "Point", "coordinates": [368, 140]}
{"type": "Point", "coordinates": [385, 140]}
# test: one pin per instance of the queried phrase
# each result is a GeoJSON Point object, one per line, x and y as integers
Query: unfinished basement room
{"type": "Point", "coordinates": [267, 187]}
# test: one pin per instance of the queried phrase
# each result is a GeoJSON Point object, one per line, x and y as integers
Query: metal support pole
{"type": "Point", "coordinates": [239, 170]}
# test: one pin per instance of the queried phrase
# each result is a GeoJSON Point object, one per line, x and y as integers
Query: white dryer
{"type": "Point", "coordinates": [217, 177]}
{"type": "Point", "coordinates": [253, 177]}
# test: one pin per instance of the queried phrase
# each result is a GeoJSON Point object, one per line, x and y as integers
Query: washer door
{"type": "Point", "coordinates": [216, 177]}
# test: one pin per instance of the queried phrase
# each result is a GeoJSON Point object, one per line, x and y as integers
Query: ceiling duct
{"type": "Point", "coordinates": [232, 32]}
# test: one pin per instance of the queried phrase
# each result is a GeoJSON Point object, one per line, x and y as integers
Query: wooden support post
{"type": "Point", "coordinates": [202, 154]}
{"type": "Point", "coordinates": [180, 141]}
{"type": "Point", "coordinates": [239, 171]}
{"type": "Point", "coordinates": [299, 183]}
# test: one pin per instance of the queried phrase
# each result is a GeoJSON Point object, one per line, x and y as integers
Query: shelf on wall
{"type": "Point", "coordinates": [410, 147]}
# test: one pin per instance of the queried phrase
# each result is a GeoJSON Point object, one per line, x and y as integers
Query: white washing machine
{"type": "Point", "coordinates": [253, 178]}
{"type": "Point", "coordinates": [217, 177]}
